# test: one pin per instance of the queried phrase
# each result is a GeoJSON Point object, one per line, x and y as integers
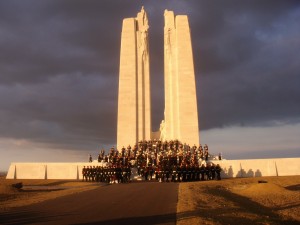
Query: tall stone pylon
{"type": "Point", "coordinates": [134, 100]}
{"type": "Point", "coordinates": [134, 103]}
{"type": "Point", "coordinates": [181, 112]}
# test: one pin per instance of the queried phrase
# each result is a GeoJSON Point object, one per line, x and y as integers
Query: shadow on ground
{"type": "Point", "coordinates": [293, 187]}
{"type": "Point", "coordinates": [145, 220]}
{"type": "Point", "coordinates": [245, 211]}
{"type": "Point", "coordinates": [26, 217]}
{"type": "Point", "coordinates": [29, 217]}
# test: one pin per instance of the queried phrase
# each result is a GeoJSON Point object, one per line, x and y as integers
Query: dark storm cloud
{"type": "Point", "coordinates": [246, 58]}
{"type": "Point", "coordinates": [63, 110]}
{"type": "Point", "coordinates": [54, 43]}
{"type": "Point", "coordinates": [59, 64]}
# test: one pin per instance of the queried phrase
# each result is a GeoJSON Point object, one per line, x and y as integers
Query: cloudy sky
{"type": "Point", "coordinates": [59, 65]}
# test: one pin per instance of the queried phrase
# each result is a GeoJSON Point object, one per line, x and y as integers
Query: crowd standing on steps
{"type": "Point", "coordinates": [168, 161]}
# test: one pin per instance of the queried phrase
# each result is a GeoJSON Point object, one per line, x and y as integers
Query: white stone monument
{"type": "Point", "coordinates": [134, 103]}
{"type": "Point", "coordinates": [181, 112]}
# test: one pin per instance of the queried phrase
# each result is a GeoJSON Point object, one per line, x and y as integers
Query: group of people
{"type": "Point", "coordinates": [107, 174]}
{"type": "Point", "coordinates": [122, 174]}
{"type": "Point", "coordinates": [162, 160]}
{"type": "Point", "coordinates": [181, 173]}
{"type": "Point", "coordinates": [156, 152]}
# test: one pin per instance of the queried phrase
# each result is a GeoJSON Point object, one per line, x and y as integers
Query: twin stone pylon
{"type": "Point", "coordinates": [134, 103]}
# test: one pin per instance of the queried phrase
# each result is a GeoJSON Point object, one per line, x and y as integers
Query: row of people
{"type": "Point", "coordinates": [183, 173]}
{"type": "Point", "coordinates": [122, 174]}
{"type": "Point", "coordinates": [107, 174]}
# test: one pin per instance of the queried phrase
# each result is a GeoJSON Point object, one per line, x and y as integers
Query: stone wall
{"type": "Point", "coordinates": [260, 167]}
{"type": "Point", "coordinates": [47, 170]}
{"type": "Point", "coordinates": [231, 168]}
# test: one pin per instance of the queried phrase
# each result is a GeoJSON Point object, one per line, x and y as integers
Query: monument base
{"type": "Point", "coordinates": [230, 169]}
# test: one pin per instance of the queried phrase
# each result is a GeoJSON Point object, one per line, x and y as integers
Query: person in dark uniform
{"type": "Point", "coordinates": [97, 174]}
{"type": "Point", "coordinates": [192, 169]}
{"type": "Point", "coordinates": [101, 179]}
{"type": "Point", "coordinates": [106, 159]}
{"type": "Point", "coordinates": [205, 147]}
{"type": "Point", "coordinates": [179, 173]}
{"type": "Point", "coordinates": [208, 172]}
{"type": "Point", "coordinates": [183, 169]}
{"type": "Point", "coordinates": [140, 171]}
{"type": "Point", "coordinates": [128, 173]}
{"type": "Point", "coordinates": [202, 171]}
{"type": "Point", "coordinates": [84, 174]}
{"type": "Point", "coordinates": [197, 172]}
{"type": "Point", "coordinates": [206, 155]}
{"type": "Point", "coordinates": [113, 174]}
{"type": "Point", "coordinates": [119, 175]}
{"type": "Point", "coordinates": [188, 173]}
{"type": "Point", "coordinates": [89, 174]}
{"type": "Point", "coordinates": [151, 171]}
{"type": "Point", "coordinates": [213, 171]}
{"type": "Point", "coordinates": [157, 173]}
{"type": "Point", "coordinates": [93, 173]}
{"type": "Point", "coordinates": [90, 158]}
{"type": "Point", "coordinates": [218, 171]}
{"type": "Point", "coordinates": [167, 172]}
{"type": "Point", "coordinates": [174, 173]}
{"type": "Point", "coordinates": [146, 173]}
{"type": "Point", "coordinates": [106, 177]}
{"type": "Point", "coordinates": [107, 174]}
{"type": "Point", "coordinates": [162, 174]}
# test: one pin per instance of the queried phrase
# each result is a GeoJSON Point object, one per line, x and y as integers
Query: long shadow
{"type": "Point", "coordinates": [243, 204]}
{"type": "Point", "coordinates": [293, 187]}
{"type": "Point", "coordinates": [144, 220]}
{"type": "Point", "coordinates": [26, 217]}
{"type": "Point", "coordinates": [54, 183]}
{"type": "Point", "coordinates": [218, 216]}
{"type": "Point", "coordinates": [30, 217]}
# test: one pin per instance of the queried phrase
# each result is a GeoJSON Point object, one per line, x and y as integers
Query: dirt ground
{"type": "Point", "coordinates": [229, 201]}
{"type": "Point", "coordinates": [240, 201]}
{"type": "Point", "coordinates": [12, 197]}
